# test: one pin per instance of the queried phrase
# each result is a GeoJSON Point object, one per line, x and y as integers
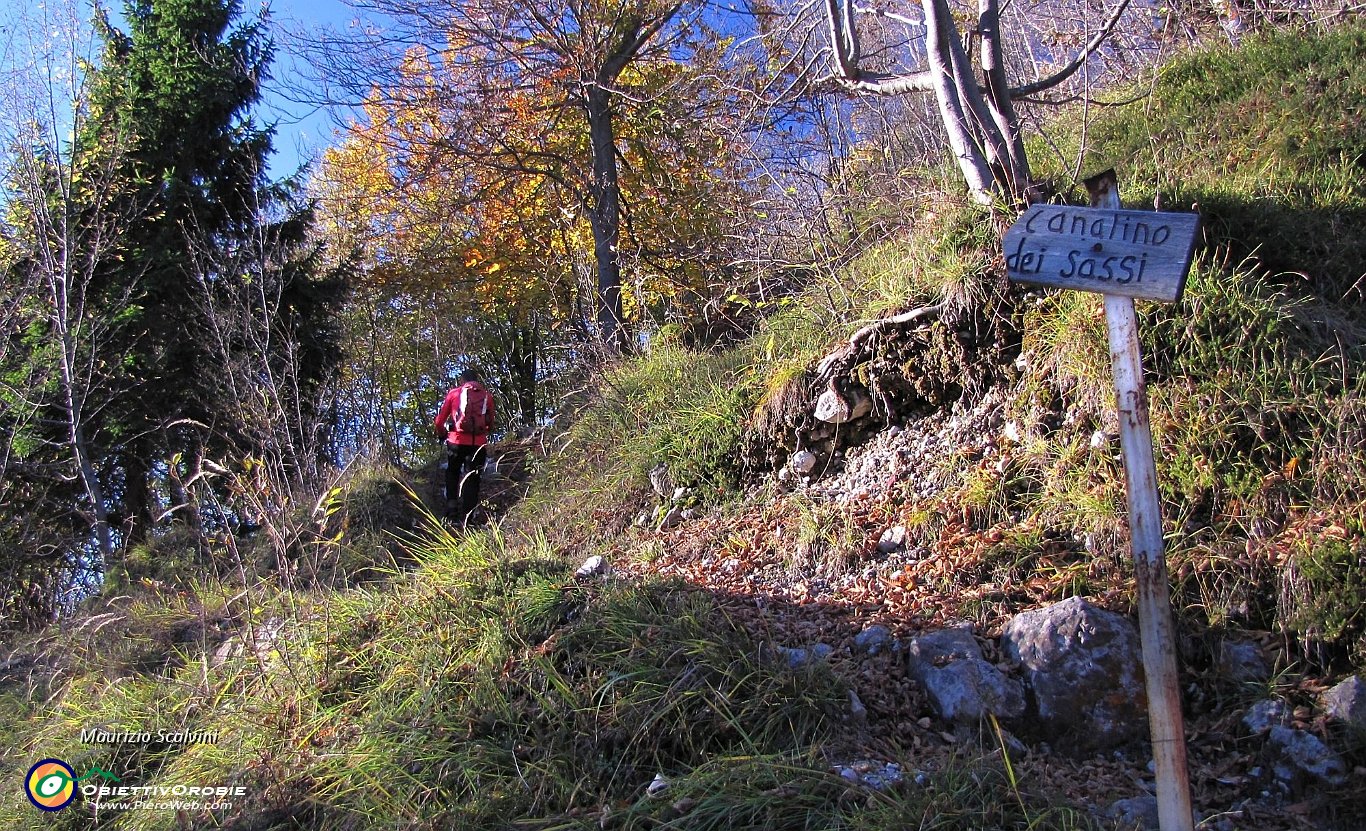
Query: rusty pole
{"type": "Point", "coordinates": [1145, 531]}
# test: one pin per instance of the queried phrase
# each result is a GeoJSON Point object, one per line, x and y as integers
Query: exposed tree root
{"type": "Point", "coordinates": [847, 356]}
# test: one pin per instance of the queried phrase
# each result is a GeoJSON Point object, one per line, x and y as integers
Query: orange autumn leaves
{"type": "Point", "coordinates": [480, 197]}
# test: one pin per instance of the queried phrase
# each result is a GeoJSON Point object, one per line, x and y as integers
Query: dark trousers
{"type": "Point", "coordinates": [463, 463]}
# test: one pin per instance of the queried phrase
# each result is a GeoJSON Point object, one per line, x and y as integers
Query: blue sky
{"type": "Point", "coordinates": [302, 130]}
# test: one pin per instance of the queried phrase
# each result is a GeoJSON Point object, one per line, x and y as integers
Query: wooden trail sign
{"type": "Point", "coordinates": [1141, 254]}
{"type": "Point", "coordinates": [1111, 251]}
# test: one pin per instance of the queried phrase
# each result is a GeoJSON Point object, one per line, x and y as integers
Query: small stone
{"type": "Point", "coordinates": [871, 640]}
{"type": "Point", "coordinates": [1138, 812]}
{"type": "Point", "coordinates": [1242, 662]}
{"type": "Point", "coordinates": [833, 409]}
{"type": "Point", "coordinates": [871, 773]}
{"type": "Point", "coordinates": [1099, 440]}
{"type": "Point", "coordinates": [797, 657]}
{"type": "Point", "coordinates": [1347, 701]}
{"type": "Point", "coordinates": [680, 493]}
{"type": "Point", "coordinates": [1012, 431]}
{"type": "Point", "coordinates": [892, 540]}
{"type": "Point", "coordinates": [960, 684]}
{"type": "Point", "coordinates": [858, 713]}
{"type": "Point", "coordinates": [657, 786]}
{"type": "Point", "coordinates": [1015, 749]}
{"type": "Point", "coordinates": [592, 567]}
{"type": "Point", "coordinates": [1265, 715]}
{"type": "Point", "coordinates": [803, 461]}
{"type": "Point", "coordinates": [690, 514]}
{"type": "Point", "coordinates": [671, 519]}
{"type": "Point", "coordinates": [1304, 753]}
{"type": "Point", "coordinates": [229, 648]}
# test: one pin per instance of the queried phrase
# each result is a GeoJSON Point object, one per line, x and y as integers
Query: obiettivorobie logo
{"type": "Point", "coordinates": [51, 784]}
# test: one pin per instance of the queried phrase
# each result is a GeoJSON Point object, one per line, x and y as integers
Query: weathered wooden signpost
{"type": "Point", "coordinates": [1122, 255]}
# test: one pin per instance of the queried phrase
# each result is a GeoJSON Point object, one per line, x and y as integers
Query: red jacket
{"type": "Point", "coordinates": [451, 408]}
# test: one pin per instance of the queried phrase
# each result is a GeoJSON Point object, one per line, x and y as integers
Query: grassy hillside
{"type": "Point", "coordinates": [1258, 393]}
{"type": "Point", "coordinates": [439, 680]}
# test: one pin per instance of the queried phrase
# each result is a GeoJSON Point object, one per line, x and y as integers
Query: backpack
{"type": "Point", "coordinates": [472, 414]}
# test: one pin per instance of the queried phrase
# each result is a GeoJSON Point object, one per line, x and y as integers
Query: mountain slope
{"type": "Point", "coordinates": [473, 681]}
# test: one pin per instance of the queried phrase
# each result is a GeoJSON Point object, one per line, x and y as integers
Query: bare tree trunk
{"type": "Point", "coordinates": [958, 122]}
{"type": "Point", "coordinates": [80, 447]}
{"type": "Point", "coordinates": [522, 361]}
{"type": "Point", "coordinates": [605, 217]}
{"type": "Point", "coordinates": [66, 296]}
{"type": "Point", "coordinates": [978, 115]}
{"type": "Point", "coordinates": [1015, 164]}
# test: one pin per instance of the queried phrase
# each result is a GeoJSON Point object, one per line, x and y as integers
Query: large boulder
{"type": "Point", "coordinates": [1084, 668]}
{"type": "Point", "coordinates": [961, 685]}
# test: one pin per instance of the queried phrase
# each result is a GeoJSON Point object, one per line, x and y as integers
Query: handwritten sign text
{"type": "Point", "coordinates": [1134, 253]}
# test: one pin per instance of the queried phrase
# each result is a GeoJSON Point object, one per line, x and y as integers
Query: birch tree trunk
{"type": "Point", "coordinates": [978, 114]}
{"type": "Point", "coordinates": [73, 391]}
{"type": "Point", "coordinates": [958, 120]}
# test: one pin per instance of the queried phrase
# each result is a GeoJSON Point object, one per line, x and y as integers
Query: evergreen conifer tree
{"type": "Point", "coordinates": [208, 232]}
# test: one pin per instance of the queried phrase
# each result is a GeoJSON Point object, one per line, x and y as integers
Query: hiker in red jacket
{"type": "Point", "coordinates": [463, 423]}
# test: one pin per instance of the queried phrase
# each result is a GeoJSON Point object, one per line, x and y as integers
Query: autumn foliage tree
{"type": "Point", "coordinates": [472, 209]}
{"type": "Point", "coordinates": [549, 100]}
{"type": "Point", "coordinates": [441, 279]}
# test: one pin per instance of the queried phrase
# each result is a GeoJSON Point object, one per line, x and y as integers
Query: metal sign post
{"type": "Point", "coordinates": [1123, 255]}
